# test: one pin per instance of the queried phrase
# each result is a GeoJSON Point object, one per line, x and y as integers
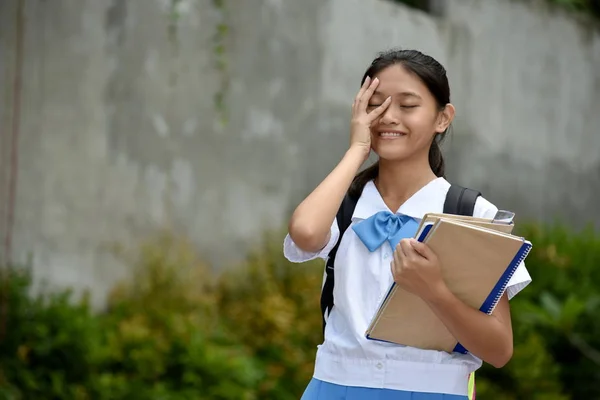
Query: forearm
{"type": "Point", "coordinates": [312, 219]}
{"type": "Point", "coordinates": [483, 335]}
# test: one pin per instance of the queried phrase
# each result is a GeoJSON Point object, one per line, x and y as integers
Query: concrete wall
{"type": "Point", "coordinates": [121, 135]}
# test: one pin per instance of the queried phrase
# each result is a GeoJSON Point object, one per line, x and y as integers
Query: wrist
{"type": "Point", "coordinates": [438, 294]}
{"type": "Point", "coordinates": [361, 152]}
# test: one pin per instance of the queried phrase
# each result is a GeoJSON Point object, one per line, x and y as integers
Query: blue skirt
{"type": "Point", "coordinates": [319, 390]}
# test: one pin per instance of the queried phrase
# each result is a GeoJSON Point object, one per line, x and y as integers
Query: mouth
{"type": "Point", "coordinates": [391, 135]}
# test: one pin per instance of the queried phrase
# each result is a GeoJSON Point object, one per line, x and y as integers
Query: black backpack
{"type": "Point", "coordinates": [459, 201]}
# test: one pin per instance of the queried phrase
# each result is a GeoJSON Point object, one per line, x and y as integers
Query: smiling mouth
{"type": "Point", "coordinates": [391, 135]}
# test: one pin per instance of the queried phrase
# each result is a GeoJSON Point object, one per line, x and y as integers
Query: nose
{"type": "Point", "coordinates": [390, 116]}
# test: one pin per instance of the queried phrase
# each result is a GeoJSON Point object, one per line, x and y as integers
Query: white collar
{"type": "Point", "coordinates": [430, 198]}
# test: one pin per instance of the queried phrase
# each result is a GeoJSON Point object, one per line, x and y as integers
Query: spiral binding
{"type": "Point", "coordinates": [523, 253]}
{"type": "Point", "coordinates": [515, 265]}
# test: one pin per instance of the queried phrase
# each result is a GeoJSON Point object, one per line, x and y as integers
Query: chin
{"type": "Point", "coordinates": [392, 153]}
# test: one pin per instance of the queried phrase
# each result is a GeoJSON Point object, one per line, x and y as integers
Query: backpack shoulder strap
{"type": "Point", "coordinates": [343, 218]}
{"type": "Point", "coordinates": [460, 200]}
{"type": "Point", "coordinates": [344, 215]}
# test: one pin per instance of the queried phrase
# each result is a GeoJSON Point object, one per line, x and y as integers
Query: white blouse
{"type": "Point", "coordinates": [362, 279]}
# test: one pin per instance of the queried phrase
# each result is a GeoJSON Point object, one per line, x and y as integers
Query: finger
{"type": "Point", "coordinates": [366, 95]}
{"type": "Point", "coordinates": [376, 113]}
{"type": "Point", "coordinates": [421, 249]}
{"type": "Point", "coordinates": [411, 253]}
{"type": "Point", "coordinates": [397, 261]}
{"type": "Point", "coordinates": [364, 87]}
{"type": "Point", "coordinates": [407, 249]}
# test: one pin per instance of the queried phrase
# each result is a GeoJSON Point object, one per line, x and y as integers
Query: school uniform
{"type": "Point", "coordinates": [348, 365]}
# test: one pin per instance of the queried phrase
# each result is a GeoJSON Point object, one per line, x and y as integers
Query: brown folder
{"type": "Point", "coordinates": [477, 263]}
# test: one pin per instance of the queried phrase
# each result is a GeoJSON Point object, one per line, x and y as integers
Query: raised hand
{"type": "Point", "coordinates": [360, 126]}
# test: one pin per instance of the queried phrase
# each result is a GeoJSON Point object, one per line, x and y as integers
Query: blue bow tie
{"type": "Point", "coordinates": [384, 225]}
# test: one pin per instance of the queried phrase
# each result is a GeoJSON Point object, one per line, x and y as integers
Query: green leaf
{"type": "Point", "coordinates": [551, 305]}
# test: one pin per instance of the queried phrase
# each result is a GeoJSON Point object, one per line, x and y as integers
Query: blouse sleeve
{"type": "Point", "coordinates": [521, 277]}
{"type": "Point", "coordinates": [295, 254]}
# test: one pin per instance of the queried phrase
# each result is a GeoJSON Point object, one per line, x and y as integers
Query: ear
{"type": "Point", "coordinates": [445, 118]}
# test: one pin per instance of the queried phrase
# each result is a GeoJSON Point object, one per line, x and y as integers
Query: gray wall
{"type": "Point", "coordinates": [121, 136]}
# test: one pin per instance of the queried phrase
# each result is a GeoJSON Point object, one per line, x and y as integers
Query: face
{"type": "Point", "coordinates": [406, 129]}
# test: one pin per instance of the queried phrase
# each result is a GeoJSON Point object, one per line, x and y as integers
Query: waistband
{"type": "Point", "coordinates": [392, 374]}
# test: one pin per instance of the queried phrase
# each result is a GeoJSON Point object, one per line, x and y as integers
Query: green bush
{"type": "Point", "coordinates": [273, 305]}
{"type": "Point", "coordinates": [556, 322]}
{"type": "Point", "coordinates": [163, 338]}
{"type": "Point", "coordinates": [50, 346]}
{"type": "Point", "coordinates": [160, 338]}
{"type": "Point", "coordinates": [178, 331]}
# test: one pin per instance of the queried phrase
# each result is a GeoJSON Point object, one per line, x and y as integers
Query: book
{"type": "Point", "coordinates": [477, 262]}
{"type": "Point", "coordinates": [489, 223]}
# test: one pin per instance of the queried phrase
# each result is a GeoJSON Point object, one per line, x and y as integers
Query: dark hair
{"type": "Point", "coordinates": [433, 75]}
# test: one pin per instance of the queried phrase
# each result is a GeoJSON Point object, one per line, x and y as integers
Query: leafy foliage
{"type": "Point", "coordinates": [178, 331]}
{"type": "Point", "coordinates": [556, 321]}
{"type": "Point", "coordinates": [274, 306]}
{"type": "Point", "coordinates": [159, 339]}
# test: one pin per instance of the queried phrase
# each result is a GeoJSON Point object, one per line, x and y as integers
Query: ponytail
{"type": "Point", "coordinates": [361, 179]}
{"type": "Point", "coordinates": [436, 159]}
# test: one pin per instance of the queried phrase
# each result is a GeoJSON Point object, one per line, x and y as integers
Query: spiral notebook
{"type": "Point", "coordinates": [477, 263]}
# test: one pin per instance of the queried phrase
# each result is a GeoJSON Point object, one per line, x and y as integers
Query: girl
{"type": "Point", "coordinates": [401, 112]}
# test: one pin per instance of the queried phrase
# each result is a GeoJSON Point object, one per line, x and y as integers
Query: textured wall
{"type": "Point", "coordinates": [121, 133]}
